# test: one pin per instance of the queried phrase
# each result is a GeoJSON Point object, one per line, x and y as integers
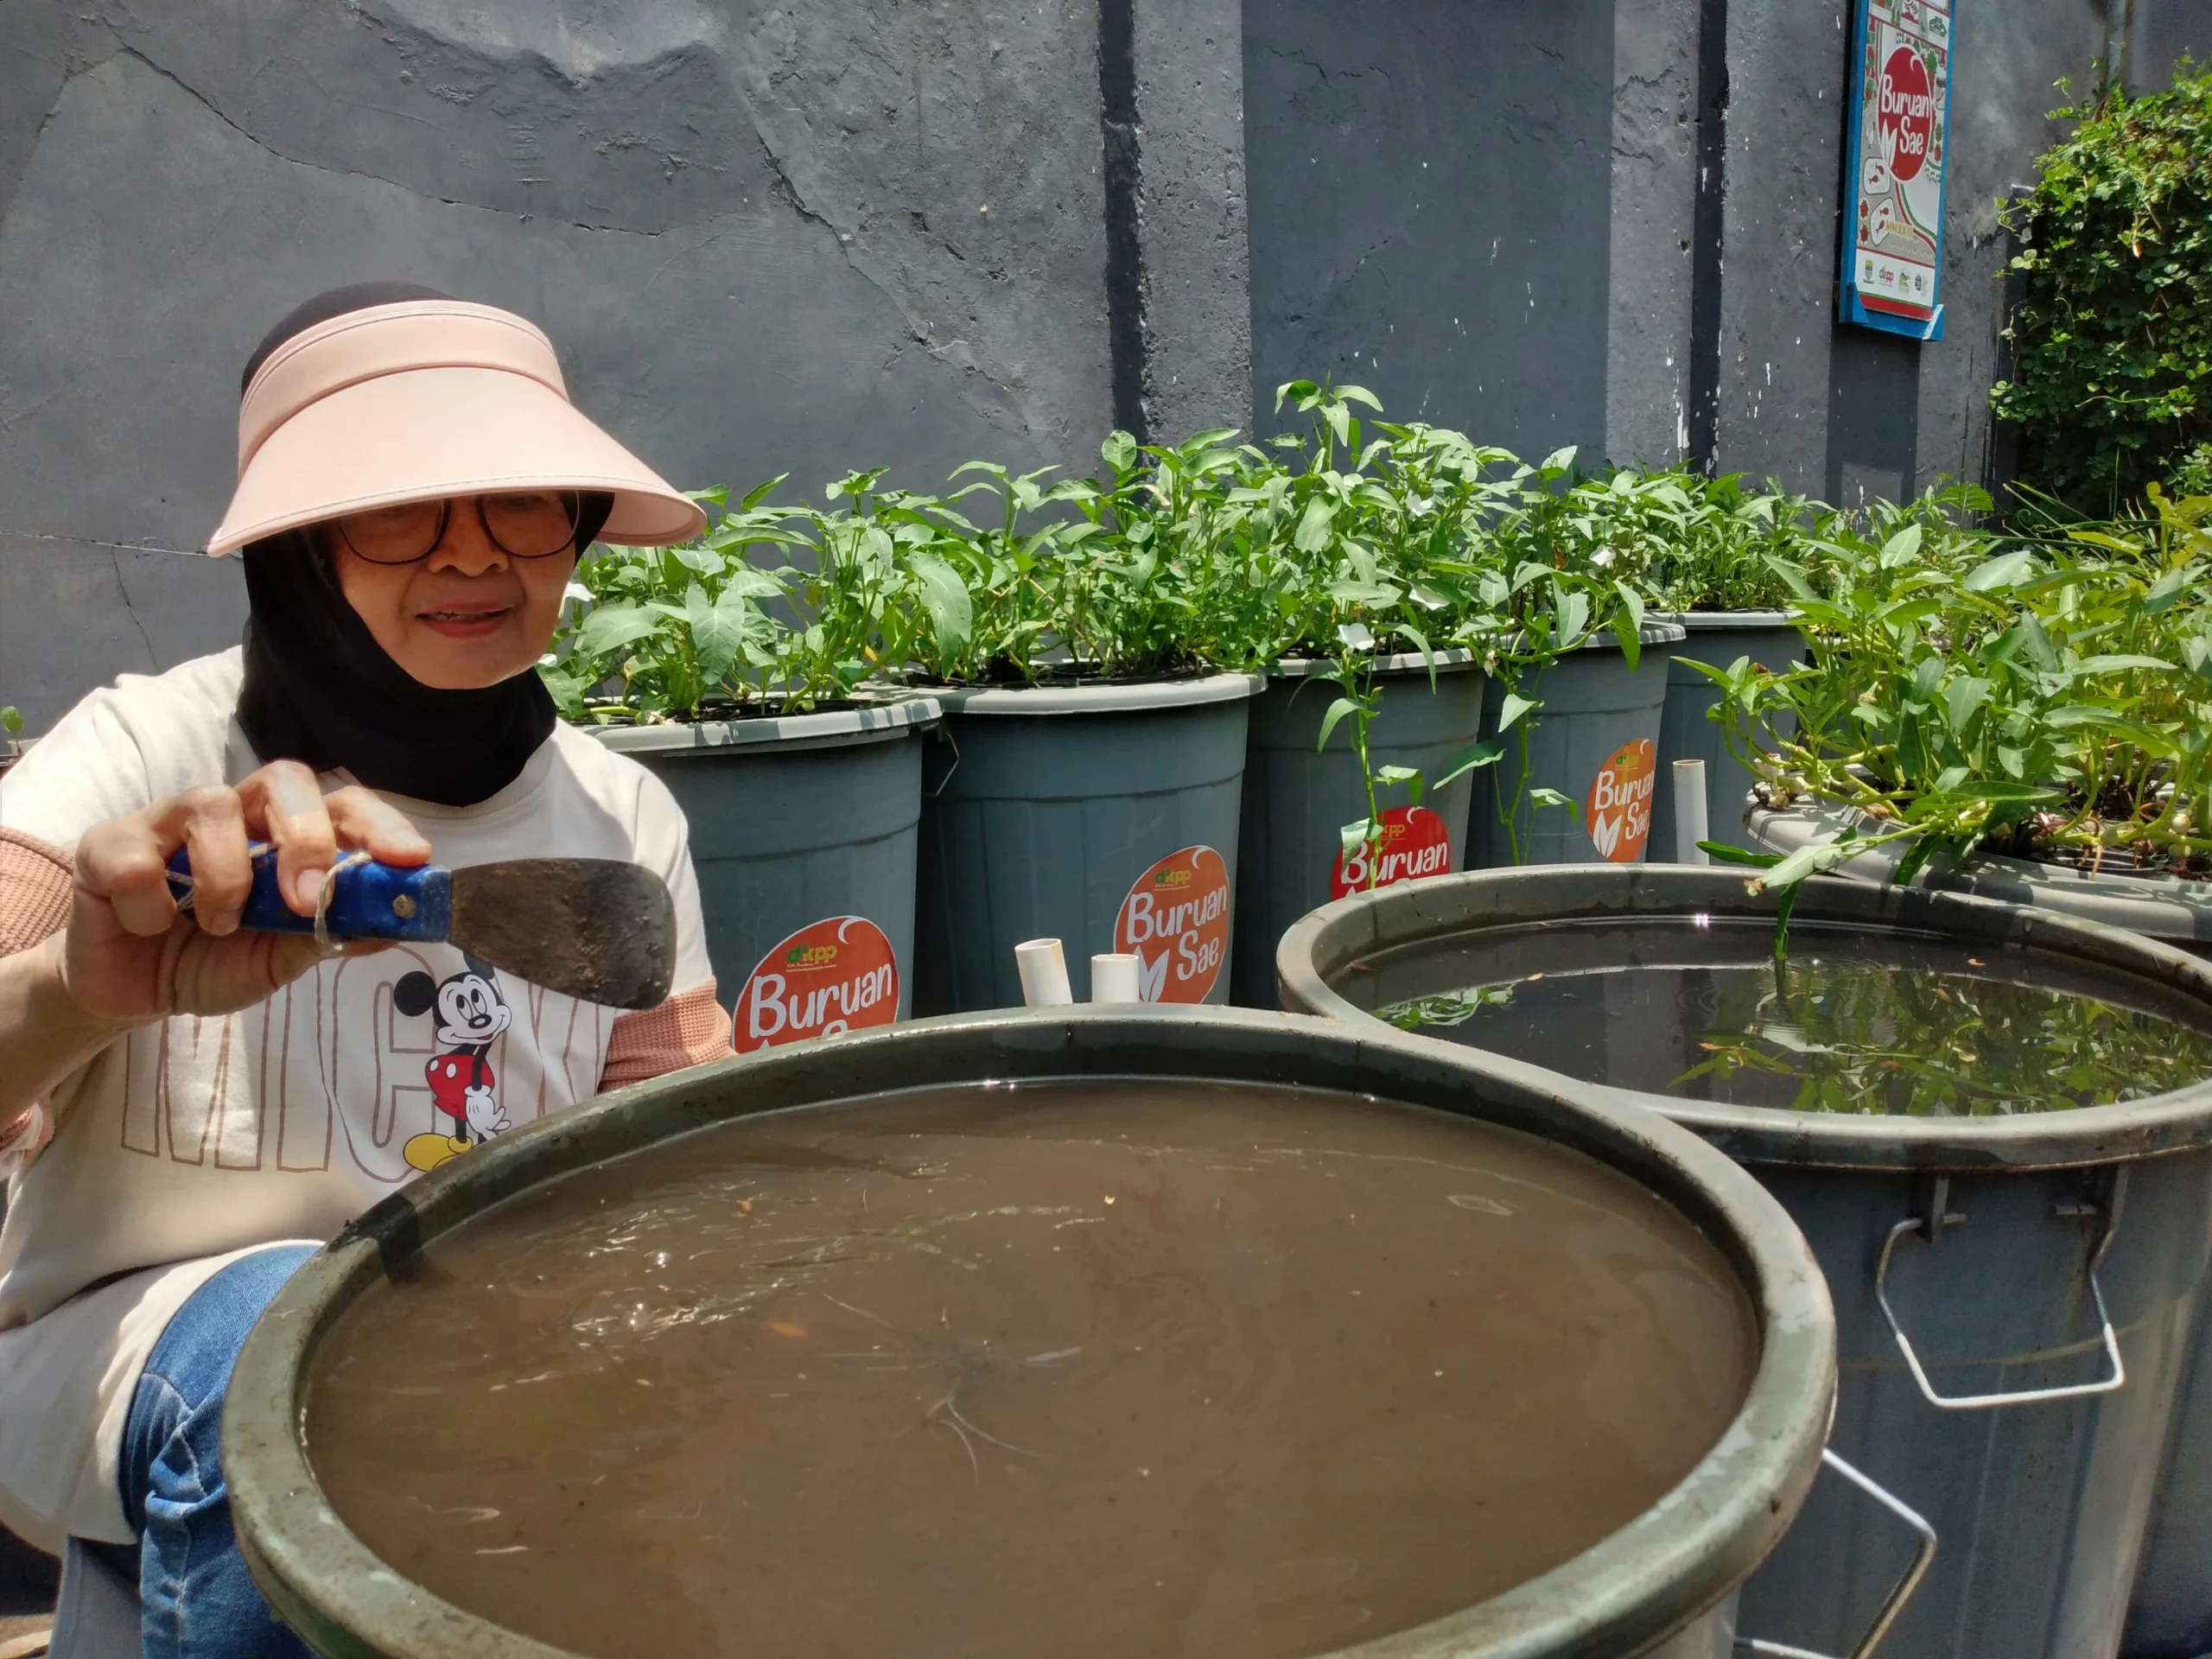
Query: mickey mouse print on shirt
{"type": "Point", "coordinates": [471, 1016]}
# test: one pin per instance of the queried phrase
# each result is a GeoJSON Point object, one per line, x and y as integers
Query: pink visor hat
{"type": "Point", "coordinates": [422, 400]}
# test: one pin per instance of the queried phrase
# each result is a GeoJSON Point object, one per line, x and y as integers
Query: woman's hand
{"type": "Point", "coordinates": [130, 956]}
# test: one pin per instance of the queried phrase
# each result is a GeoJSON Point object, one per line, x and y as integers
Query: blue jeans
{"type": "Point", "coordinates": [195, 1599]}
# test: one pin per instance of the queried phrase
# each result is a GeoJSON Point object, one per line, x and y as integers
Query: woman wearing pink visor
{"type": "Point", "coordinates": [186, 1110]}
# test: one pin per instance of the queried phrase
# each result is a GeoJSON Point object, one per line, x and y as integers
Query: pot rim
{"type": "Point", "coordinates": [1408, 662]}
{"type": "Point", "coordinates": [871, 722]}
{"type": "Point", "coordinates": [1324, 942]}
{"type": "Point", "coordinates": [1133, 697]}
{"type": "Point", "coordinates": [1720, 622]}
{"type": "Point", "coordinates": [2025, 876]}
{"type": "Point", "coordinates": [1634, 1588]}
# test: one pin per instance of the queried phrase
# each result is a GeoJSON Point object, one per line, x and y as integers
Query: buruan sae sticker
{"type": "Point", "coordinates": [1414, 843]}
{"type": "Point", "coordinates": [1618, 810]}
{"type": "Point", "coordinates": [1176, 920]}
{"type": "Point", "coordinates": [836, 974]}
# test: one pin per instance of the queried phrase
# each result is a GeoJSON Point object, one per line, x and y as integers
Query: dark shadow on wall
{"type": "Point", "coordinates": [1874, 416]}
{"type": "Point", "coordinates": [1429, 209]}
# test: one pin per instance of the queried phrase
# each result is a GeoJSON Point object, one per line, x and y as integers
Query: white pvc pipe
{"type": "Point", "coordinates": [1691, 818]}
{"type": "Point", "coordinates": [1114, 977]}
{"type": "Point", "coordinates": [1043, 969]}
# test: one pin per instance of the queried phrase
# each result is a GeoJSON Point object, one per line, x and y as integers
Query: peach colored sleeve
{"type": "Point", "coordinates": [691, 1028]}
{"type": "Point", "coordinates": [37, 882]}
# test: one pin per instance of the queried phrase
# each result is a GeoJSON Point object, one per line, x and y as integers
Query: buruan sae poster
{"type": "Point", "coordinates": [1900, 109]}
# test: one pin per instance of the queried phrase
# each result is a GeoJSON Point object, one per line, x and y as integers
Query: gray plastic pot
{"type": "Point", "coordinates": [1716, 637]}
{"type": "Point", "coordinates": [804, 830]}
{"type": "Point", "coordinates": [2168, 907]}
{"type": "Point", "coordinates": [1298, 798]}
{"type": "Point", "coordinates": [1102, 815]}
{"type": "Point", "coordinates": [1662, 1586]}
{"type": "Point", "coordinates": [1599, 719]}
{"type": "Point", "coordinates": [2041, 1500]}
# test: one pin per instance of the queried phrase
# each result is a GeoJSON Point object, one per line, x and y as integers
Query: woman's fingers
{"type": "Point", "coordinates": [125, 861]}
{"type": "Point", "coordinates": [376, 827]}
{"type": "Point", "coordinates": [284, 802]}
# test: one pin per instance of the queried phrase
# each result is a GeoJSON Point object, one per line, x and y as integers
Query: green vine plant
{"type": "Point", "coordinates": [2112, 386]}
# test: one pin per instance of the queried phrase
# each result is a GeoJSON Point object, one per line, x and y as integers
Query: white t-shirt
{"type": "Point", "coordinates": [193, 1141]}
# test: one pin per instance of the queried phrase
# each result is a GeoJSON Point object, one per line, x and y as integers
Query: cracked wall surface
{"type": "Point", "coordinates": [764, 238]}
{"type": "Point", "coordinates": [1430, 209]}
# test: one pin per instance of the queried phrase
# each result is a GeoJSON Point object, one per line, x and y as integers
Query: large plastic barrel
{"type": "Point", "coordinates": [1688, 732]}
{"type": "Point", "coordinates": [803, 830]}
{"type": "Point", "coordinates": [1595, 741]}
{"type": "Point", "coordinates": [1298, 797]}
{"type": "Point", "coordinates": [1662, 1586]}
{"type": "Point", "coordinates": [1996, 1240]}
{"type": "Point", "coordinates": [1102, 815]}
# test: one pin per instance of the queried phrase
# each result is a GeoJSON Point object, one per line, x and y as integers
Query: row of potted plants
{"type": "Point", "coordinates": [1290, 668]}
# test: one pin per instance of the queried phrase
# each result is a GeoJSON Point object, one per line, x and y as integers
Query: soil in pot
{"type": "Point", "coordinates": [1105, 1368]}
{"type": "Point", "coordinates": [1849, 1020]}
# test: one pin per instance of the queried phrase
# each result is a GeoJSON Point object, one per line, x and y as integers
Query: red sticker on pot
{"type": "Point", "coordinates": [1617, 811]}
{"type": "Point", "coordinates": [1414, 843]}
{"type": "Point", "coordinates": [1176, 919]}
{"type": "Point", "coordinates": [837, 974]}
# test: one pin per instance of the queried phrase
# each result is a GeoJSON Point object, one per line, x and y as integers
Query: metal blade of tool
{"type": "Point", "coordinates": [595, 929]}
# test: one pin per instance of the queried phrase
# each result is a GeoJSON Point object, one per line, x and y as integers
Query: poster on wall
{"type": "Point", "coordinates": [1893, 212]}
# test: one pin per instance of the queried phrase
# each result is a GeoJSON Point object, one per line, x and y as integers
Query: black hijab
{"type": "Point", "coordinates": [320, 689]}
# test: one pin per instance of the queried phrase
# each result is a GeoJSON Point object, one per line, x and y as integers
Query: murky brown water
{"type": "Point", "coordinates": [1125, 1370]}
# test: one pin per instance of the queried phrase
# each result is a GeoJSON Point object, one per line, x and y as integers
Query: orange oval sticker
{"type": "Point", "coordinates": [1176, 920]}
{"type": "Point", "coordinates": [834, 975]}
{"type": "Point", "coordinates": [1617, 811]}
{"type": "Point", "coordinates": [1414, 843]}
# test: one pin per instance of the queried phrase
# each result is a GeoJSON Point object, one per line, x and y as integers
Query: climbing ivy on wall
{"type": "Point", "coordinates": [2113, 340]}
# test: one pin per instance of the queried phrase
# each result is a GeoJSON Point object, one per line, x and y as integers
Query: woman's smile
{"type": "Point", "coordinates": [466, 619]}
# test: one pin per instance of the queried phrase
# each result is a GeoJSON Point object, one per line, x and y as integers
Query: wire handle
{"type": "Point", "coordinates": [1899, 1594]}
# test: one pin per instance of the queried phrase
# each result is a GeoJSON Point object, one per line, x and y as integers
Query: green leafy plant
{"type": "Point", "coordinates": [2048, 699]}
{"type": "Point", "coordinates": [2113, 385]}
{"type": "Point", "coordinates": [11, 720]}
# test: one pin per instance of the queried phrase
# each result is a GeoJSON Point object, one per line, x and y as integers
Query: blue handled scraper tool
{"type": "Point", "coordinates": [596, 929]}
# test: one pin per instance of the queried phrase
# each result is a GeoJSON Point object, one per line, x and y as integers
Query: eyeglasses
{"type": "Point", "coordinates": [530, 525]}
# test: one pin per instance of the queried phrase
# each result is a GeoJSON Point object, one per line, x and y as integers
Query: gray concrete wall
{"type": "Point", "coordinates": [1651, 262]}
{"type": "Point", "coordinates": [1431, 208]}
{"type": "Point", "coordinates": [764, 238]}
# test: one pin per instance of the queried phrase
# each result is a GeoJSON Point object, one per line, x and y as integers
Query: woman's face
{"type": "Point", "coordinates": [467, 616]}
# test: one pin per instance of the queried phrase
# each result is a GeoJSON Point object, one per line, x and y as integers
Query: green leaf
{"type": "Point", "coordinates": [1722, 852]}
{"type": "Point", "coordinates": [944, 597]}
{"type": "Point", "coordinates": [1541, 797]}
{"type": "Point", "coordinates": [1513, 707]}
{"type": "Point", "coordinates": [2001, 572]}
{"type": "Point", "coordinates": [611, 627]}
{"type": "Point", "coordinates": [1314, 525]}
{"type": "Point", "coordinates": [1961, 697]}
{"type": "Point", "coordinates": [1475, 754]}
{"type": "Point", "coordinates": [1337, 711]}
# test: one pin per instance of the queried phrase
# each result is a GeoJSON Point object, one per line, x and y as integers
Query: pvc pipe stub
{"type": "Point", "coordinates": [1691, 824]}
{"type": "Point", "coordinates": [1115, 977]}
{"type": "Point", "coordinates": [1043, 968]}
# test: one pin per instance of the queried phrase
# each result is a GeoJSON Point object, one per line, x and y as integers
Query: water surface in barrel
{"type": "Point", "coordinates": [1851, 1019]}
{"type": "Point", "coordinates": [1127, 1369]}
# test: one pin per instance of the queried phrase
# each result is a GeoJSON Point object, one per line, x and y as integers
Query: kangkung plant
{"type": "Point", "coordinates": [2050, 699]}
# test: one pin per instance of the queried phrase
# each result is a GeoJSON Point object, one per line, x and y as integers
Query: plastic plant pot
{"type": "Point", "coordinates": [1102, 815]}
{"type": "Point", "coordinates": [1298, 797]}
{"type": "Point", "coordinates": [1717, 638]}
{"type": "Point", "coordinates": [1595, 741]}
{"type": "Point", "coordinates": [804, 830]}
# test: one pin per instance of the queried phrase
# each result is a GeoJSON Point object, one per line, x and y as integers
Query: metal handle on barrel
{"type": "Point", "coordinates": [1934, 1219]}
{"type": "Point", "coordinates": [1898, 1596]}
